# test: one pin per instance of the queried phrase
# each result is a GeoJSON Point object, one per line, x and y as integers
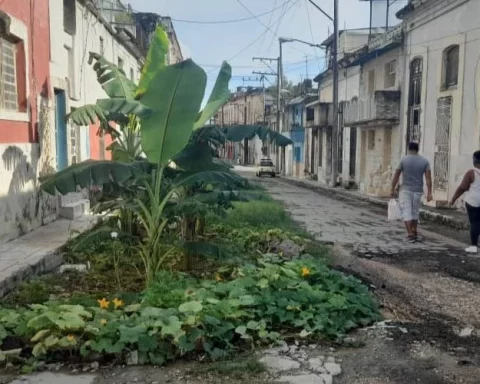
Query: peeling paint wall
{"type": "Point", "coordinates": [25, 145]}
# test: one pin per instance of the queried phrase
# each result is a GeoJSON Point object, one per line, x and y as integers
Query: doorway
{"type": "Point", "coordinates": [61, 129]}
{"type": "Point", "coordinates": [441, 162]}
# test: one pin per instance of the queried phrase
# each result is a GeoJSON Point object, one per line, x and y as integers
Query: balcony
{"type": "Point", "coordinates": [319, 115]}
{"type": "Point", "coordinates": [381, 109]}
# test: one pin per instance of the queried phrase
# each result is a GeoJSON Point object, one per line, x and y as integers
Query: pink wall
{"type": "Point", "coordinates": [35, 15]}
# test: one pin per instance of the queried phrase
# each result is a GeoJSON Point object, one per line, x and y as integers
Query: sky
{"type": "Point", "coordinates": [238, 42]}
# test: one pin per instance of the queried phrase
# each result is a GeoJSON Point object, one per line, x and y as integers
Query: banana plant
{"type": "Point", "coordinates": [154, 120]}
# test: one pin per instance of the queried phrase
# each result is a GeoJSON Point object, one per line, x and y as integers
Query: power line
{"type": "Point", "coordinates": [311, 33]}
{"type": "Point", "coordinates": [258, 37]}
{"type": "Point", "coordinates": [233, 20]}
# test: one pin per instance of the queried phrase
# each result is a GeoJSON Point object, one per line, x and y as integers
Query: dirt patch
{"type": "Point", "coordinates": [181, 373]}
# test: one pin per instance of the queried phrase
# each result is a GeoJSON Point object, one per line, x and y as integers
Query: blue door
{"type": "Point", "coordinates": [61, 129]}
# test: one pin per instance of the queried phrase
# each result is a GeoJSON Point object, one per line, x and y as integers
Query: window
{"type": "Point", "coordinates": [450, 63]}
{"type": "Point", "coordinates": [371, 139]}
{"type": "Point", "coordinates": [102, 46]}
{"type": "Point", "coordinates": [72, 90]}
{"type": "Point", "coordinates": [8, 78]}
{"type": "Point", "coordinates": [371, 82]}
{"type": "Point", "coordinates": [415, 89]}
{"type": "Point", "coordinates": [132, 74]}
{"type": "Point", "coordinates": [390, 74]}
{"type": "Point", "coordinates": [120, 63]}
{"type": "Point", "coordinates": [69, 16]}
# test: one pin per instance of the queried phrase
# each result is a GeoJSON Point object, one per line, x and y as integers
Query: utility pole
{"type": "Point", "coordinates": [335, 95]}
{"type": "Point", "coordinates": [279, 108]}
{"type": "Point", "coordinates": [266, 61]}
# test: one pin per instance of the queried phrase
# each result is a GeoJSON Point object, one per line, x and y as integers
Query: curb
{"type": "Point", "coordinates": [338, 193]}
{"type": "Point", "coordinates": [45, 263]}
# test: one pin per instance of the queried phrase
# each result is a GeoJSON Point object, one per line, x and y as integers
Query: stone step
{"type": "Point", "coordinates": [75, 209]}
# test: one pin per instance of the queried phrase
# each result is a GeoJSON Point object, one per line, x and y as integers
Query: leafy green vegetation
{"type": "Point", "coordinates": [189, 257]}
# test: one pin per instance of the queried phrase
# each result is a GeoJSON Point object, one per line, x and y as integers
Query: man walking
{"type": "Point", "coordinates": [412, 168]}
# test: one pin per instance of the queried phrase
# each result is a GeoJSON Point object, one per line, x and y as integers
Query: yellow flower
{"type": "Point", "coordinates": [118, 303]}
{"type": "Point", "coordinates": [103, 321]}
{"type": "Point", "coordinates": [306, 272]}
{"type": "Point", "coordinates": [71, 338]}
{"type": "Point", "coordinates": [218, 277]}
{"type": "Point", "coordinates": [104, 303]}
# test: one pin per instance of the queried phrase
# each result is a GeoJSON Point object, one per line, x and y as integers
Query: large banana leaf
{"type": "Point", "coordinates": [86, 115]}
{"type": "Point", "coordinates": [125, 107]}
{"type": "Point", "coordinates": [209, 133]}
{"type": "Point", "coordinates": [90, 173]}
{"type": "Point", "coordinates": [218, 97]}
{"type": "Point", "coordinates": [174, 94]}
{"type": "Point", "coordinates": [156, 58]}
{"type": "Point", "coordinates": [214, 177]}
{"type": "Point", "coordinates": [111, 78]}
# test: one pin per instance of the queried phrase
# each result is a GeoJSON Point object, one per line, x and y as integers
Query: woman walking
{"type": "Point", "coordinates": [471, 187]}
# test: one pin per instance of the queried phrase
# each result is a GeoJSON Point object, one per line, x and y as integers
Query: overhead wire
{"type": "Point", "coordinates": [311, 33]}
{"type": "Point", "coordinates": [269, 22]}
{"type": "Point", "coordinates": [258, 37]}
{"type": "Point", "coordinates": [233, 20]}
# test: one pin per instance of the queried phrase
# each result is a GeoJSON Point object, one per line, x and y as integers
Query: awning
{"type": "Point", "coordinates": [239, 132]}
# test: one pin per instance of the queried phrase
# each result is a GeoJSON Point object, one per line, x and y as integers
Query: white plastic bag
{"type": "Point", "coordinates": [394, 211]}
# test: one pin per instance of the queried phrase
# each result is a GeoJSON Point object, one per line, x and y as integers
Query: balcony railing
{"type": "Point", "coordinates": [322, 115]}
{"type": "Point", "coordinates": [383, 107]}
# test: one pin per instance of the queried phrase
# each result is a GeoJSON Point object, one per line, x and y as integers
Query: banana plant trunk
{"type": "Point", "coordinates": [189, 234]}
{"type": "Point", "coordinates": [201, 226]}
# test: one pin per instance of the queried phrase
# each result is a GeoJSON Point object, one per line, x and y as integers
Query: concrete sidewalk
{"type": "Point", "coordinates": [38, 251]}
{"type": "Point", "coordinates": [449, 217]}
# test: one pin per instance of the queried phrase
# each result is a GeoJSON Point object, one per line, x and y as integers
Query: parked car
{"type": "Point", "coordinates": [266, 167]}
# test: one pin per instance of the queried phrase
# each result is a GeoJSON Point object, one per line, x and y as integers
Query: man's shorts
{"type": "Point", "coordinates": [410, 203]}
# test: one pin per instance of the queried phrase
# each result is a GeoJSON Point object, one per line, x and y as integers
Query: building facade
{"type": "Point", "coordinates": [320, 136]}
{"type": "Point", "coordinates": [25, 102]}
{"type": "Point", "coordinates": [82, 28]}
{"type": "Point", "coordinates": [442, 79]}
{"type": "Point", "coordinates": [247, 106]}
{"type": "Point", "coordinates": [375, 114]}
{"type": "Point", "coordinates": [294, 129]}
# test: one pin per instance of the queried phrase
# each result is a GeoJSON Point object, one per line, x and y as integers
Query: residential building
{"type": "Point", "coordinates": [320, 136]}
{"type": "Point", "coordinates": [294, 129]}
{"type": "Point", "coordinates": [247, 106]}
{"type": "Point", "coordinates": [25, 102]}
{"type": "Point", "coordinates": [375, 114]}
{"type": "Point", "coordinates": [442, 95]}
{"type": "Point", "coordinates": [146, 24]}
{"type": "Point", "coordinates": [82, 27]}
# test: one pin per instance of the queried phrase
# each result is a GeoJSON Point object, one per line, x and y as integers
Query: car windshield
{"type": "Point", "coordinates": [266, 163]}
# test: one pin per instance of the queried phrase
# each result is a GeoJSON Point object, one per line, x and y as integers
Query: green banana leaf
{"type": "Point", "coordinates": [226, 178]}
{"type": "Point", "coordinates": [125, 107]}
{"type": "Point", "coordinates": [174, 94]}
{"type": "Point", "coordinates": [218, 97]}
{"type": "Point", "coordinates": [209, 133]}
{"type": "Point", "coordinates": [92, 173]}
{"type": "Point", "coordinates": [111, 78]}
{"type": "Point", "coordinates": [86, 115]}
{"type": "Point", "coordinates": [156, 58]}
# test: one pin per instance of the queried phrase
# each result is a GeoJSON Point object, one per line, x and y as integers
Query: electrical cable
{"type": "Point", "coordinates": [234, 20]}
{"type": "Point", "coordinates": [257, 38]}
{"type": "Point", "coordinates": [311, 33]}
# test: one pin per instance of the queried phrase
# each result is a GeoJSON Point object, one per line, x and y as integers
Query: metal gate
{"type": "Point", "coordinates": [442, 146]}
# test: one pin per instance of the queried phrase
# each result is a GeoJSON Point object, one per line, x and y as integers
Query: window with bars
{"type": "Point", "coordinates": [8, 76]}
{"type": "Point", "coordinates": [450, 64]}
{"type": "Point", "coordinates": [390, 74]}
